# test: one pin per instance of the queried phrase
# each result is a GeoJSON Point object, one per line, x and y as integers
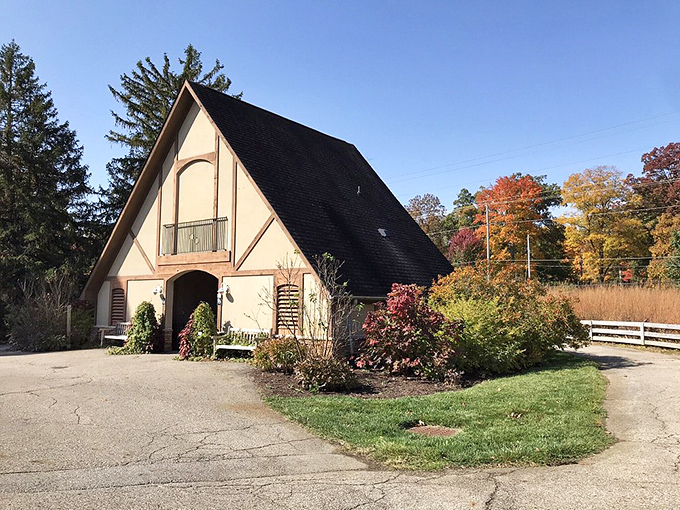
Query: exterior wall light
{"type": "Point", "coordinates": [158, 291]}
{"type": "Point", "coordinates": [222, 291]}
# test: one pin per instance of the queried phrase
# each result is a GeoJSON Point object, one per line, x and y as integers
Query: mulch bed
{"type": "Point", "coordinates": [371, 385]}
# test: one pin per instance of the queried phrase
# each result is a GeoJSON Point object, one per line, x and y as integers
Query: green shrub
{"type": "Point", "coordinates": [203, 331]}
{"type": "Point", "coordinates": [279, 354]}
{"type": "Point", "coordinates": [487, 342]}
{"type": "Point", "coordinates": [508, 323]}
{"type": "Point", "coordinates": [82, 321]}
{"type": "Point", "coordinates": [196, 338]}
{"type": "Point", "coordinates": [325, 374]}
{"type": "Point", "coordinates": [143, 331]}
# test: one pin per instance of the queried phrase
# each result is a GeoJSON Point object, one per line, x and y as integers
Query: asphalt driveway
{"type": "Point", "coordinates": [86, 430]}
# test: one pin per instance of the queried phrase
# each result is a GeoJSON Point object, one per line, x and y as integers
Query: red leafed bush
{"type": "Point", "coordinates": [465, 247]}
{"type": "Point", "coordinates": [408, 337]}
{"type": "Point", "coordinates": [184, 338]}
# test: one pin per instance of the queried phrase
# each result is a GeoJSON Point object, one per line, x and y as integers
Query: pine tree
{"type": "Point", "coordinates": [43, 183]}
{"type": "Point", "coordinates": [147, 95]}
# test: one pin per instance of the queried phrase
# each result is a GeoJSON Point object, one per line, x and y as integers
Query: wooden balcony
{"type": "Point", "coordinates": [195, 237]}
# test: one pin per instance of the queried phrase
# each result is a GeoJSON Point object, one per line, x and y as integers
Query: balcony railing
{"type": "Point", "coordinates": [195, 236]}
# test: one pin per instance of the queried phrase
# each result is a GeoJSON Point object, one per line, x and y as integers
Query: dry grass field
{"type": "Point", "coordinates": [619, 303]}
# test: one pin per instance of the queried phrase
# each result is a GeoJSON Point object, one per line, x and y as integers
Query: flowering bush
{"type": "Point", "coordinates": [410, 338]}
{"type": "Point", "coordinates": [508, 323]}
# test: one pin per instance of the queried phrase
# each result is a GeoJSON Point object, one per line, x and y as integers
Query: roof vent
{"type": "Point", "coordinates": [382, 232]}
{"type": "Point", "coordinates": [358, 190]}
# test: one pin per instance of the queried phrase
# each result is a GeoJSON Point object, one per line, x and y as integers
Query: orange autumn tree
{"type": "Point", "coordinates": [518, 205]}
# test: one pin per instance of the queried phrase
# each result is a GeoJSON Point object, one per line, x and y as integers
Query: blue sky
{"type": "Point", "coordinates": [436, 95]}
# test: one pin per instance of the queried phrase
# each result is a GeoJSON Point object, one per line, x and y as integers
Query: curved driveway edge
{"type": "Point", "coordinates": [86, 430]}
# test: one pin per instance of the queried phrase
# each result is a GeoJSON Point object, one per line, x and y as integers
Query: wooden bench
{"type": "Point", "coordinates": [249, 339]}
{"type": "Point", "coordinates": [118, 332]}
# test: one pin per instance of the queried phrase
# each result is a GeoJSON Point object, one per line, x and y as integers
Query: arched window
{"type": "Point", "coordinates": [117, 306]}
{"type": "Point", "coordinates": [287, 308]}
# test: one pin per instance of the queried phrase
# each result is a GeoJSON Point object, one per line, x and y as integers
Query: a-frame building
{"type": "Point", "coordinates": [230, 191]}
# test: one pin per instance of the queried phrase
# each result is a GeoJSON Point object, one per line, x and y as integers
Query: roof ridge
{"type": "Point", "coordinates": [241, 101]}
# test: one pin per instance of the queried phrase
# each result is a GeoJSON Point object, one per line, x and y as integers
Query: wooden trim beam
{"type": "Point", "coordinates": [234, 172]}
{"type": "Point", "coordinates": [254, 242]}
{"type": "Point", "coordinates": [175, 183]}
{"type": "Point", "coordinates": [194, 258]}
{"type": "Point", "coordinates": [141, 250]}
{"type": "Point", "coordinates": [216, 175]}
{"type": "Point", "coordinates": [159, 205]}
{"type": "Point", "coordinates": [210, 157]}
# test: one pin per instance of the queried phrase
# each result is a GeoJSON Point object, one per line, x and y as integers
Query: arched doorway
{"type": "Point", "coordinates": [189, 290]}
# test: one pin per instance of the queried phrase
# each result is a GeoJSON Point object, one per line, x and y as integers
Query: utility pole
{"type": "Point", "coordinates": [528, 259]}
{"type": "Point", "coordinates": [488, 247]}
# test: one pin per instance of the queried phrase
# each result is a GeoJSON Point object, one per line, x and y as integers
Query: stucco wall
{"type": "Point", "coordinates": [224, 182]}
{"type": "Point", "coordinates": [196, 136]}
{"type": "Point", "coordinates": [245, 305]}
{"type": "Point", "coordinates": [167, 183]}
{"type": "Point", "coordinates": [104, 305]}
{"type": "Point", "coordinates": [272, 248]}
{"type": "Point", "coordinates": [251, 212]}
{"type": "Point", "coordinates": [141, 290]}
{"type": "Point", "coordinates": [129, 261]}
{"type": "Point", "coordinates": [145, 225]}
{"type": "Point", "coordinates": [195, 196]}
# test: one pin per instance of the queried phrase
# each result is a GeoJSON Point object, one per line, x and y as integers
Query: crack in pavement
{"type": "Point", "coordinates": [35, 390]}
{"type": "Point", "coordinates": [236, 480]}
{"type": "Point", "coordinates": [75, 412]}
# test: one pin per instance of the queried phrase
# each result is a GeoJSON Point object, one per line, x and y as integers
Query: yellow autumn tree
{"type": "Point", "coordinates": [662, 233]}
{"type": "Point", "coordinates": [602, 233]}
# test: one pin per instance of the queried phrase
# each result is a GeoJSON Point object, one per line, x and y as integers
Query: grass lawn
{"type": "Point", "coordinates": [550, 415]}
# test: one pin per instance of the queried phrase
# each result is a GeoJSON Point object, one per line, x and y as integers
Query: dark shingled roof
{"type": "Point", "coordinates": [311, 180]}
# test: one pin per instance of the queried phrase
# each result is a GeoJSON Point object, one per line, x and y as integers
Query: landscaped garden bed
{"type": "Point", "coordinates": [370, 384]}
{"type": "Point", "coordinates": [548, 415]}
{"type": "Point", "coordinates": [414, 399]}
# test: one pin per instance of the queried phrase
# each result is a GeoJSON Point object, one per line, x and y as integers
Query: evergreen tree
{"type": "Point", "coordinates": [123, 173]}
{"type": "Point", "coordinates": [43, 183]}
{"type": "Point", "coordinates": [147, 95]}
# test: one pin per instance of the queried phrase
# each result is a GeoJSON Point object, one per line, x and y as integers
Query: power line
{"type": "Point", "coordinates": [511, 151]}
{"type": "Point", "coordinates": [565, 164]}
{"type": "Point", "coordinates": [565, 261]}
{"type": "Point", "coordinates": [548, 197]}
{"type": "Point", "coordinates": [549, 220]}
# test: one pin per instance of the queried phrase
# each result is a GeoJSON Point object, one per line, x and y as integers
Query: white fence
{"type": "Point", "coordinates": [635, 333]}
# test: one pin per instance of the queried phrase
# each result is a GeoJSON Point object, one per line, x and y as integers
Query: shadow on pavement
{"type": "Point", "coordinates": [608, 362]}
